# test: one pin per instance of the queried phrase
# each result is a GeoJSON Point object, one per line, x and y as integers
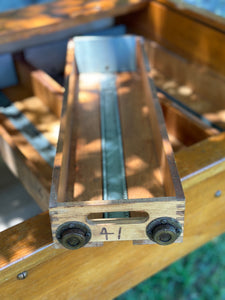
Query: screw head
{"type": "Point", "coordinates": [164, 231]}
{"type": "Point", "coordinates": [73, 235]}
{"type": "Point", "coordinates": [22, 275]}
{"type": "Point", "coordinates": [218, 193]}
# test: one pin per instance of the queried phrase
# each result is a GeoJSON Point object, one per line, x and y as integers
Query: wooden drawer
{"type": "Point", "coordinates": [199, 153]}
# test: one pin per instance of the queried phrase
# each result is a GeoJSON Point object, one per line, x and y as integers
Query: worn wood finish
{"type": "Point", "coordinates": [38, 115]}
{"type": "Point", "coordinates": [180, 33]}
{"type": "Point", "coordinates": [28, 169]}
{"type": "Point", "coordinates": [166, 66]}
{"type": "Point", "coordinates": [183, 126]}
{"type": "Point", "coordinates": [152, 181]}
{"type": "Point", "coordinates": [45, 23]}
{"type": "Point", "coordinates": [140, 156]}
{"type": "Point", "coordinates": [48, 90]}
{"type": "Point", "coordinates": [39, 84]}
{"type": "Point", "coordinates": [4, 135]}
{"type": "Point", "coordinates": [21, 157]}
{"type": "Point", "coordinates": [23, 71]}
{"type": "Point", "coordinates": [41, 117]}
{"type": "Point", "coordinates": [31, 235]}
{"type": "Point", "coordinates": [197, 13]}
{"type": "Point", "coordinates": [189, 83]}
{"type": "Point", "coordinates": [33, 250]}
{"type": "Point", "coordinates": [203, 210]}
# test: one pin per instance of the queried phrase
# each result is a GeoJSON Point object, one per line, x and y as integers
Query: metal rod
{"type": "Point", "coordinates": [114, 179]}
{"type": "Point", "coordinates": [182, 105]}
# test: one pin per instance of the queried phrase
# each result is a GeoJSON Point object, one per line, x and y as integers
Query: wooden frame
{"type": "Point", "coordinates": [164, 198]}
{"type": "Point", "coordinates": [28, 246]}
{"type": "Point", "coordinates": [197, 38]}
{"type": "Point", "coordinates": [45, 23]}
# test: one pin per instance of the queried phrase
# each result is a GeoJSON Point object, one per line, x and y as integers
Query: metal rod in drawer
{"type": "Point", "coordinates": [114, 179]}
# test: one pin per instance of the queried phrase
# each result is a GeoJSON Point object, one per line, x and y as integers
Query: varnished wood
{"type": "Point", "coordinates": [44, 23]}
{"type": "Point", "coordinates": [187, 128]}
{"type": "Point", "coordinates": [180, 33]}
{"type": "Point", "coordinates": [153, 184]}
{"type": "Point", "coordinates": [23, 71]}
{"type": "Point", "coordinates": [200, 14]}
{"type": "Point", "coordinates": [202, 170]}
{"type": "Point", "coordinates": [26, 167]}
{"type": "Point", "coordinates": [140, 156]}
{"type": "Point", "coordinates": [189, 83]}
{"type": "Point", "coordinates": [48, 90]}
{"type": "Point", "coordinates": [189, 162]}
{"type": "Point", "coordinates": [39, 84]}
{"type": "Point", "coordinates": [22, 158]}
{"type": "Point", "coordinates": [44, 120]}
{"type": "Point", "coordinates": [122, 259]}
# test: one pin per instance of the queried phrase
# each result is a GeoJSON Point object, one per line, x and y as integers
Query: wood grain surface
{"type": "Point", "coordinates": [197, 13]}
{"type": "Point", "coordinates": [72, 274]}
{"type": "Point", "coordinates": [110, 270]}
{"type": "Point", "coordinates": [181, 33]}
{"type": "Point", "coordinates": [189, 82]}
{"type": "Point", "coordinates": [152, 182]}
{"type": "Point", "coordinates": [44, 23]}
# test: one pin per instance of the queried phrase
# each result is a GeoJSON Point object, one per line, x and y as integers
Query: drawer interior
{"type": "Point", "coordinates": [30, 127]}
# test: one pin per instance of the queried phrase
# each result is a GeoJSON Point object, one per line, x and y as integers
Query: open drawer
{"type": "Point", "coordinates": [36, 102]}
{"type": "Point", "coordinates": [28, 246]}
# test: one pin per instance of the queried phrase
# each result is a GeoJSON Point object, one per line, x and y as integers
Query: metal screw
{"type": "Point", "coordinates": [73, 235]}
{"type": "Point", "coordinates": [218, 193]}
{"type": "Point", "coordinates": [164, 231]}
{"type": "Point", "coordinates": [22, 275]}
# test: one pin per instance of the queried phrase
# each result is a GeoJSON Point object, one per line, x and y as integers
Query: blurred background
{"type": "Point", "coordinates": [215, 6]}
{"type": "Point", "coordinates": [198, 276]}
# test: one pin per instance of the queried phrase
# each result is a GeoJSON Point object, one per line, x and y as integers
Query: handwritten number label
{"type": "Point", "coordinates": [106, 233]}
{"type": "Point", "coordinates": [119, 233]}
